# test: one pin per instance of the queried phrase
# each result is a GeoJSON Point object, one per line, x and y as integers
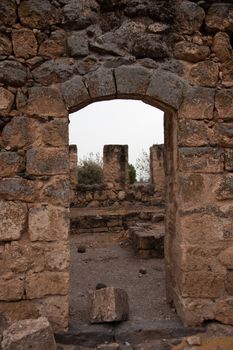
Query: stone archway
{"type": "Point", "coordinates": [168, 54]}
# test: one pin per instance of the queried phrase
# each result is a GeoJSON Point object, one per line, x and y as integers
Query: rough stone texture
{"type": "Point", "coordinates": [36, 15]}
{"type": "Point", "coordinates": [108, 305]}
{"type": "Point", "coordinates": [222, 46]}
{"type": "Point", "coordinates": [47, 161]}
{"type": "Point", "coordinates": [190, 17]}
{"type": "Point", "coordinates": [205, 73]}
{"type": "Point", "coordinates": [6, 101]}
{"type": "Point", "coordinates": [28, 334]}
{"type": "Point", "coordinates": [5, 45]}
{"type": "Point", "coordinates": [12, 73]}
{"type": "Point", "coordinates": [59, 56]}
{"type": "Point", "coordinates": [191, 52]}
{"type": "Point", "coordinates": [224, 103]}
{"type": "Point", "coordinates": [39, 285]}
{"type": "Point", "coordinates": [47, 223]}
{"type": "Point", "coordinates": [219, 17]}
{"type": "Point", "coordinates": [24, 43]}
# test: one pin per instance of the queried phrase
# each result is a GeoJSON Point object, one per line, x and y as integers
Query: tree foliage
{"type": "Point", "coordinates": [143, 167]}
{"type": "Point", "coordinates": [90, 170]}
{"type": "Point", "coordinates": [132, 173]}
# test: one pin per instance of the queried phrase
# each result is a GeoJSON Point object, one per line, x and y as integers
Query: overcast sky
{"type": "Point", "coordinates": [129, 122]}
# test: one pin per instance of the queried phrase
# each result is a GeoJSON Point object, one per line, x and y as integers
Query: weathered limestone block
{"type": "Point", "coordinates": [48, 223]}
{"type": "Point", "coordinates": [229, 282]}
{"type": "Point", "coordinates": [11, 289]}
{"type": "Point", "coordinates": [166, 88]}
{"type": "Point", "coordinates": [81, 13]}
{"type": "Point", "coordinates": [196, 188]}
{"type": "Point", "coordinates": [222, 46]}
{"type": "Point", "coordinates": [18, 189]}
{"type": "Point", "coordinates": [55, 71]}
{"type": "Point", "coordinates": [190, 17]}
{"type": "Point", "coordinates": [198, 103]}
{"type": "Point", "coordinates": [55, 133]}
{"type": "Point", "coordinates": [226, 257]}
{"type": "Point", "coordinates": [13, 216]}
{"type": "Point", "coordinates": [8, 14]}
{"type": "Point", "coordinates": [224, 133]}
{"type": "Point", "coordinates": [5, 45]}
{"type": "Point", "coordinates": [73, 157]}
{"type": "Point", "coordinates": [56, 309]}
{"type": "Point", "coordinates": [24, 43]}
{"type": "Point", "coordinates": [224, 310]}
{"type": "Point", "coordinates": [57, 256]}
{"type": "Point", "coordinates": [29, 334]}
{"type": "Point", "coordinates": [18, 310]}
{"type": "Point", "coordinates": [12, 73]}
{"type": "Point", "coordinates": [18, 133]}
{"type": "Point", "coordinates": [131, 79]}
{"type": "Point", "coordinates": [52, 106]}
{"type": "Point", "coordinates": [229, 159]}
{"type": "Point", "coordinates": [74, 92]}
{"type": "Point", "coordinates": [77, 43]}
{"type": "Point", "coordinates": [11, 163]}
{"type": "Point", "coordinates": [55, 45]}
{"type": "Point", "coordinates": [191, 52]}
{"type": "Point", "coordinates": [196, 258]}
{"type": "Point", "coordinates": [227, 73]}
{"type": "Point", "coordinates": [56, 191]}
{"type": "Point", "coordinates": [201, 159]}
{"type": "Point", "coordinates": [6, 100]}
{"type": "Point", "coordinates": [220, 17]}
{"type": "Point", "coordinates": [224, 187]}
{"type": "Point", "coordinates": [224, 103]}
{"type": "Point", "coordinates": [38, 15]}
{"type": "Point", "coordinates": [47, 161]}
{"type": "Point", "coordinates": [205, 73]}
{"type": "Point", "coordinates": [193, 133]}
{"type": "Point", "coordinates": [22, 256]}
{"type": "Point", "coordinates": [115, 164]}
{"type": "Point", "coordinates": [101, 83]}
{"type": "Point", "coordinates": [201, 284]}
{"type": "Point", "coordinates": [205, 225]}
{"type": "Point", "coordinates": [109, 305]}
{"type": "Point", "coordinates": [39, 285]}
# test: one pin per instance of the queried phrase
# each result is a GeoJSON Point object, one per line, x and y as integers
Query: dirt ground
{"type": "Point", "coordinates": [110, 259]}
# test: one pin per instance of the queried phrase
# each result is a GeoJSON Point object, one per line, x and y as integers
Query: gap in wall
{"type": "Point", "coordinates": [111, 225]}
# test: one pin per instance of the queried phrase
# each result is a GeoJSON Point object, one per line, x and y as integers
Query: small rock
{"type": "Point", "coordinates": [194, 340]}
{"type": "Point", "coordinates": [100, 286]}
{"type": "Point", "coordinates": [81, 249]}
{"type": "Point", "coordinates": [143, 271]}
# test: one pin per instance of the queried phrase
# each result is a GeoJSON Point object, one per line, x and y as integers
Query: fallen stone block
{"type": "Point", "coordinates": [36, 334]}
{"type": "Point", "coordinates": [108, 305]}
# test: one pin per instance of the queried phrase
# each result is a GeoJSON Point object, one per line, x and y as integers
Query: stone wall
{"type": "Point", "coordinates": [115, 205]}
{"type": "Point", "coordinates": [59, 56]}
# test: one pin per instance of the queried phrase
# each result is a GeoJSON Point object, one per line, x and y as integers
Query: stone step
{"type": "Point", "coordinates": [133, 332]}
{"type": "Point", "coordinates": [148, 240]}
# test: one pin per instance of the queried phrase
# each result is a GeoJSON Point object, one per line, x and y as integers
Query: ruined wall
{"type": "Point", "coordinates": [157, 175]}
{"type": "Point", "coordinates": [58, 56]}
{"type": "Point", "coordinates": [115, 205]}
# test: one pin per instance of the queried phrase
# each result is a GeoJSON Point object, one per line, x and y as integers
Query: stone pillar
{"type": "Point", "coordinates": [157, 176]}
{"type": "Point", "coordinates": [73, 155]}
{"type": "Point", "coordinates": [115, 165]}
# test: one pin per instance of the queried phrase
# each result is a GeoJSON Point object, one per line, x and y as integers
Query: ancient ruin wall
{"type": "Point", "coordinates": [60, 55]}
